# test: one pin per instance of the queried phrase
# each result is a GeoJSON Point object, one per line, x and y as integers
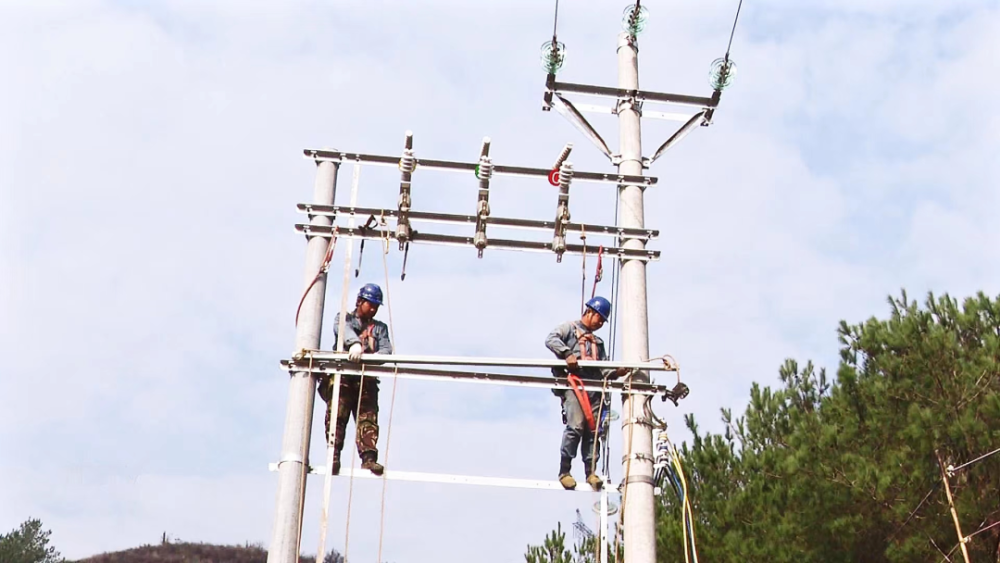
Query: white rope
{"type": "Point", "coordinates": [392, 402]}
{"type": "Point", "coordinates": [335, 396]}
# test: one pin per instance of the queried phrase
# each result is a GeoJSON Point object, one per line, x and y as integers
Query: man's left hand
{"type": "Point", "coordinates": [620, 372]}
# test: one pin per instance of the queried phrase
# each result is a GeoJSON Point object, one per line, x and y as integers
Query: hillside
{"type": "Point", "coordinates": [187, 553]}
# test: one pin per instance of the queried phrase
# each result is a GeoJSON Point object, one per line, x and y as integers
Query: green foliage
{"type": "Point", "coordinates": [553, 549]}
{"type": "Point", "coordinates": [28, 544]}
{"type": "Point", "coordinates": [821, 471]}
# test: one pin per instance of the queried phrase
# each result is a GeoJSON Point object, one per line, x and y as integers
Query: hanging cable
{"type": "Point", "coordinates": [733, 32]}
{"type": "Point", "coordinates": [323, 268]}
{"type": "Point", "coordinates": [583, 277]}
{"type": "Point", "coordinates": [392, 401]}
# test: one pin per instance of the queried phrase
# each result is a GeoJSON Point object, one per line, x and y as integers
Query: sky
{"type": "Point", "coordinates": [151, 160]}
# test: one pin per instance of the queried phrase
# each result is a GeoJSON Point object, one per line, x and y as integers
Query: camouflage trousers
{"type": "Point", "coordinates": [366, 418]}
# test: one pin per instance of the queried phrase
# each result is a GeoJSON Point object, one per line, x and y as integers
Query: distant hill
{"type": "Point", "coordinates": [187, 553]}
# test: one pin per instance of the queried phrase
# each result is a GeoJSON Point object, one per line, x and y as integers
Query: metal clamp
{"type": "Point", "coordinates": [406, 166]}
{"type": "Point", "coordinates": [679, 392]}
{"type": "Point", "coordinates": [484, 170]}
{"type": "Point", "coordinates": [639, 421]}
{"type": "Point", "coordinates": [562, 210]}
{"type": "Point", "coordinates": [638, 457]}
{"type": "Point", "coordinates": [644, 479]}
{"type": "Point", "coordinates": [290, 458]}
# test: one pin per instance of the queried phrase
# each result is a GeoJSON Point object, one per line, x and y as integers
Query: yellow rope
{"type": "Point", "coordinates": [354, 454]}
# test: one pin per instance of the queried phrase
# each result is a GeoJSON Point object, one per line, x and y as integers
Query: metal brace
{"type": "Point", "coordinates": [562, 210]}
{"type": "Point", "coordinates": [406, 166]}
{"type": "Point", "coordinates": [483, 171]}
{"type": "Point", "coordinates": [639, 456]}
{"type": "Point", "coordinates": [371, 223]}
{"type": "Point", "coordinates": [639, 421]}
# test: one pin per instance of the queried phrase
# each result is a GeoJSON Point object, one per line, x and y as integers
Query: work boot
{"type": "Point", "coordinates": [595, 482]}
{"type": "Point", "coordinates": [368, 462]}
{"type": "Point", "coordinates": [567, 481]}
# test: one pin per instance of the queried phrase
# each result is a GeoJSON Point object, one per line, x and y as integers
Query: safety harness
{"type": "Point", "coordinates": [588, 351]}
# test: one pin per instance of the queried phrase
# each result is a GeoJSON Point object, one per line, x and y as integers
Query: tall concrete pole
{"type": "Point", "coordinates": [637, 501]}
{"type": "Point", "coordinates": [293, 463]}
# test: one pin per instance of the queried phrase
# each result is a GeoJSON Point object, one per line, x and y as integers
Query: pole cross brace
{"type": "Point", "coordinates": [642, 254]}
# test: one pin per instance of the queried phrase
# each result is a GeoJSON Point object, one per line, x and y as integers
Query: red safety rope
{"type": "Point", "coordinates": [600, 271]}
{"type": "Point", "coordinates": [581, 395]}
{"type": "Point", "coordinates": [322, 271]}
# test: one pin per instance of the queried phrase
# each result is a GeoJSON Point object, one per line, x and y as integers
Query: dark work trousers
{"type": "Point", "coordinates": [578, 431]}
{"type": "Point", "coordinates": [365, 418]}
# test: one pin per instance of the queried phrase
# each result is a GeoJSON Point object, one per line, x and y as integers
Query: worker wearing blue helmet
{"type": "Point", "coordinates": [362, 335]}
{"type": "Point", "coordinates": [574, 341]}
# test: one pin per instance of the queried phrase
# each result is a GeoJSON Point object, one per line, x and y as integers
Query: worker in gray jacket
{"type": "Point", "coordinates": [362, 334]}
{"type": "Point", "coordinates": [573, 341]}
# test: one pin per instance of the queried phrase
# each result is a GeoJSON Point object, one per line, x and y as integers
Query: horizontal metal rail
{"type": "Point", "coordinates": [664, 363]}
{"type": "Point", "coordinates": [458, 240]}
{"type": "Point", "coordinates": [505, 379]}
{"type": "Point", "coordinates": [393, 475]}
{"type": "Point", "coordinates": [643, 95]}
{"type": "Point", "coordinates": [498, 169]}
{"type": "Point", "coordinates": [449, 218]}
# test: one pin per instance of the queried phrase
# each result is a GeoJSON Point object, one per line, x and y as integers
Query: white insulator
{"type": "Point", "coordinates": [565, 175]}
{"type": "Point", "coordinates": [408, 162]}
{"type": "Point", "coordinates": [485, 168]}
{"type": "Point", "coordinates": [563, 155]}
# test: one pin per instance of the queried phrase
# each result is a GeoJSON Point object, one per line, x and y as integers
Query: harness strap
{"type": "Point", "coordinates": [367, 337]}
{"type": "Point", "coordinates": [588, 345]}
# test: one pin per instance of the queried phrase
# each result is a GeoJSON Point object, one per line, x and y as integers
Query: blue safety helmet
{"type": "Point", "coordinates": [371, 293]}
{"type": "Point", "coordinates": [601, 305]}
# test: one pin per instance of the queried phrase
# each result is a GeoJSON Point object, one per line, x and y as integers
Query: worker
{"type": "Point", "coordinates": [362, 334]}
{"type": "Point", "coordinates": [573, 341]}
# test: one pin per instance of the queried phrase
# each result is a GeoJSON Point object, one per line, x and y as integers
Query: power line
{"type": "Point", "coordinates": [952, 470]}
{"type": "Point", "coordinates": [731, 33]}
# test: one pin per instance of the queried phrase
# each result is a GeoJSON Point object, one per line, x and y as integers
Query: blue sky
{"type": "Point", "coordinates": [150, 163]}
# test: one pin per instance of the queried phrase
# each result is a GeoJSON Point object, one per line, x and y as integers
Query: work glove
{"type": "Point", "coordinates": [620, 372]}
{"type": "Point", "coordinates": [354, 354]}
{"type": "Point", "coordinates": [571, 362]}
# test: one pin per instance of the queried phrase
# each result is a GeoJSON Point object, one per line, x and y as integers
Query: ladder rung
{"type": "Point", "coordinates": [431, 217]}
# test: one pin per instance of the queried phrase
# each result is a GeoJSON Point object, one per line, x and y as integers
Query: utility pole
{"type": "Point", "coordinates": [637, 433]}
{"type": "Point", "coordinates": [293, 464]}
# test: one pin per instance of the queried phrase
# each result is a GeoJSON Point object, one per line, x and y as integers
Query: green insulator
{"type": "Point", "coordinates": [722, 74]}
{"type": "Point", "coordinates": [634, 20]}
{"type": "Point", "coordinates": [553, 56]}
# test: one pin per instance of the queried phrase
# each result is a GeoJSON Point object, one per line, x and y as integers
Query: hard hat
{"type": "Point", "coordinates": [601, 305]}
{"type": "Point", "coordinates": [371, 293]}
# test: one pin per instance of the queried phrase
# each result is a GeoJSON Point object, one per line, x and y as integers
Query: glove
{"type": "Point", "coordinates": [571, 362]}
{"type": "Point", "coordinates": [354, 354]}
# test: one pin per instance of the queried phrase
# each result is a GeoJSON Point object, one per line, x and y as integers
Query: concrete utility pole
{"type": "Point", "coordinates": [637, 433]}
{"type": "Point", "coordinates": [293, 464]}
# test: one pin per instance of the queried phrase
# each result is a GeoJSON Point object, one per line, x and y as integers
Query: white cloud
{"type": "Point", "coordinates": [150, 159]}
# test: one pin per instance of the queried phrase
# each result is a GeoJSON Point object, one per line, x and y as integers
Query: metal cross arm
{"type": "Point", "coordinates": [331, 155]}
{"type": "Point", "coordinates": [664, 363]}
{"type": "Point", "coordinates": [448, 218]}
{"type": "Point", "coordinates": [414, 476]}
{"type": "Point", "coordinates": [457, 240]}
{"type": "Point", "coordinates": [504, 379]}
{"type": "Point", "coordinates": [640, 95]}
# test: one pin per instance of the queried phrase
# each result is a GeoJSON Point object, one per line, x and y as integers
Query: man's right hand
{"type": "Point", "coordinates": [354, 354]}
{"type": "Point", "coordinates": [572, 363]}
